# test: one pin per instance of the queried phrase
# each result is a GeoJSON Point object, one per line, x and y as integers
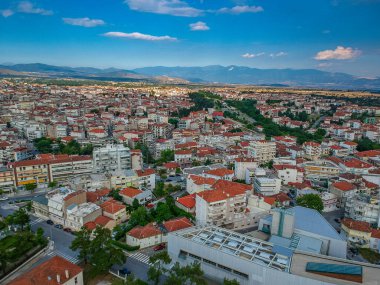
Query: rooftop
{"type": "Point", "coordinates": [239, 245]}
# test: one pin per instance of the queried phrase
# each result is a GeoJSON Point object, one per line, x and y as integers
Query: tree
{"type": "Point", "coordinates": [135, 204]}
{"type": "Point", "coordinates": [52, 184]}
{"type": "Point", "coordinates": [312, 201]}
{"type": "Point", "coordinates": [82, 242]}
{"type": "Point", "coordinates": [366, 144]}
{"type": "Point", "coordinates": [103, 253]}
{"type": "Point", "coordinates": [40, 236]}
{"type": "Point", "coordinates": [21, 218]}
{"type": "Point", "coordinates": [163, 212]}
{"type": "Point", "coordinates": [30, 187]}
{"type": "Point", "coordinates": [157, 269]}
{"type": "Point", "coordinates": [189, 274]}
{"type": "Point", "coordinates": [4, 259]}
{"type": "Point", "coordinates": [140, 217]}
{"type": "Point", "coordinates": [230, 282]}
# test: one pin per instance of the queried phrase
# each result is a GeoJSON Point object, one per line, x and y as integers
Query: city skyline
{"type": "Point", "coordinates": [130, 34]}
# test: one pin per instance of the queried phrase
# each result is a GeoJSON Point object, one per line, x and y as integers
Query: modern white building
{"type": "Point", "coordinates": [262, 151]}
{"type": "Point", "coordinates": [112, 157]}
{"type": "Point", "coordinates": [226, 254]}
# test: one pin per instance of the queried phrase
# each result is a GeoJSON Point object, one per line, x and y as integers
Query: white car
{"type": "Point", "coordinates": [3, 198]}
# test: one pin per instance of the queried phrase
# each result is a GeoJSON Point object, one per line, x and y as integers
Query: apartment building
{"type": "Point", "coordinates": [60, 200]}
{"type": "Point", "coordinates": [7, 182]}
{"type": "Point", "coordinates": [363, 207]}
{"type": "Point", "coordinates": [223, 207]}
{"type": "Point", "coordinates": [321, 169]}
{"type": "Point", "coordinates": [48, 168]}
{"type": "Point", "coordinates": [77, 215]}
{"type": "Point", "coordinates": [289, 173]}
{"type": "Point", "coordinates": [262, 151]}
{"type": "Point", "coordinates": [312, 150]}
{"type": "Point", "coordinates": [112, 157]}
{"type": "Point", "coordinates": [241, 164]}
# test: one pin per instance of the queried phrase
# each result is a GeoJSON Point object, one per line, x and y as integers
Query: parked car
{"type": "Point", "coordinates": [337, 220]}
{"type": "Point", "coordinates": [49, 222]}
{"type": "Point", "coordinates": [58, 226]}
{"type": "Point", "coordinates": [67, 230]}
{"type": "Point", "coordinates": [124, 271]}
{"type": "Point", "coordinates": [3, 198]}
{"type": "Point", "coordinates": [159, 247]}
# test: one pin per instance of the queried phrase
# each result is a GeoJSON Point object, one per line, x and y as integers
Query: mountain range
{"type": "Point", "coordinates": [207, 74]}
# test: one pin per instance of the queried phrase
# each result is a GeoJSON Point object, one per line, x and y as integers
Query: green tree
{"type": "Point", "coordinates": [140, 217]}
{"type": "Point", "coordinates": [4, 260]}
{"type": "Point", "coordinates": [230, 282]}
{"type": "Point", "coordinates": [189, 274]}
{"type": "Point", "coordinates": [157, 269]}
{"type": "Point", "coordinates": [30, 187]}
{"type": "Point", "coordinates": [40, 236]}
{"type": "Point", "coordinates": [52, 184]}
{"type": "Point", "coordinates": [135, 204]}
{"type": "Point", "coordinates": [82, 242]}
{"type": "Point", "coordinates": [103, 253]}
{"type": "Point", "coordinates": [312, 201]}
{"type": "Point", "coordinates": [163, 212]}
{"type": "Point", "coordinates": [366, 144]}
{"type": "Point", "coordinates": [21, 218]}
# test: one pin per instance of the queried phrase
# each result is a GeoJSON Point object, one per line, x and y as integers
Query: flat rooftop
{"type": "Point", "coordinates": [371, 273]}
{"type": "Point", "coordinates": [243, 246]}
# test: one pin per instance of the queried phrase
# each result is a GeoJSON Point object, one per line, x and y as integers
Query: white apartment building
{"type": "Point", "coordinates": [78, 215]}
{"type": "Point", "coordinates": [112, 157]}
{"type": "Point", "coordinates": [330, 202]}
{"type": "Point", "coordinates": [312, 150]}
{"type": "Point", "coordinates": [265, 184]}
{"type": "Point", "coordinates": [262, 151]}
{"type": "Point", "coordinates": [242, 164]}
{"type": "Point", "coordinates": [362, 207]}
{"type": "Point", "coordinates": [289, 173]}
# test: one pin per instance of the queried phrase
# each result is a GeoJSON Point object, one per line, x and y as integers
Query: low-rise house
{"type": "Point", "coordinates": [54, 271]}
{"type": "Point", "coordinates": [220, 173]}
{"type": "Point", "coordinates": [78, 215]}
{"type": "Point", "coordinates": [115, 211]}
{"type": "Point", "coordinates": [343, 190]}
{"type": "Point", "coordinates": [357, 233]}
{"type": "Point", "coordinates": [186, 203]}
{"type": "Point", "coordinates": [129, 194]}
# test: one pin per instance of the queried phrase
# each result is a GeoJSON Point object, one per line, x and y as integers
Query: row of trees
{"type": "Point", "coordinates": [248, 106]}
{"type": "Point", "coordinates": [48, 145]}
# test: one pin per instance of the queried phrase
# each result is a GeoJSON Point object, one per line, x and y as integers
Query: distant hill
{"type": "Point", "coordinates": [272, 77]}
{"type": "Point", "coordinates": [208, 74]}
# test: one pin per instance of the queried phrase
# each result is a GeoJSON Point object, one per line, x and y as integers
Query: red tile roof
{"type": "Point", "coordinates": [46, 273]}
{"type": "Point", "coordinates": [200, 180]}
{"type": "Point", "coordinates": [171, 165]}
{"type": "Point", "coordinates": [187, 201]}
{"type": "Point", "coordinates": [130, 192]}
{"type": "Point", "coordinates": [177, 224]}
{"type": "Point", "coordinates": [344, 186]}
{"type": "Point", "coordinates": [220, 172]}
{"type": "Point", "coordinates": [357, 225]}
{"type": "Point", "coordinates": [147, 231]}
{"type": "Point", "coordinates": [145, 172]}
{"type": "Point", "coordinates": [112, 206]}
{"type": "Point", "coordinates": [375, 233]}
{"type": "Point", "coordinates": [94, 196]}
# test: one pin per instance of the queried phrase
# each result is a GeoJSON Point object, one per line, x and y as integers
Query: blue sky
{"type": "Point", "coordinates": [333, 35]}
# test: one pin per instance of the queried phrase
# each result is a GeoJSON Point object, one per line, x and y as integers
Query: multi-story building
{"type": "Point", "coordinates": [262, 151]}
{"type": "Point", "coordinates": [241, 164]}
{"type": "Point", "coordinates": [7, 182]}
{"type": "Point", "coordinates": [289, 173]}
{"type": "Point", "coordinates": [312, 150]}
{"type": "Point", "coordinates": [362, 207]}
{"type": "Point", "coordinates": [77, 215]}
{"type": "Point", "coordinates": [111, 158]}
{"type": "Point", "coordinates": [48, 168]}
{"type": "Point", "coordinates": [223, 207]}
{"type": "Point", "coordinates": [321, 169]}
{"type": "Point", "coordinates": [60, 200]}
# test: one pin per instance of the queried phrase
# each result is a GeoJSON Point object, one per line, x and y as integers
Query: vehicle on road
{"type": "Point", "coordinates": [50, 222]}
{"type": "Point", "coordinates": [67, 230]}
{"type": "Point", "coordinates": [124, 271]}
{"type": "Point", "coordinates": [159, 247]}
{"type": "Point", "coordinates": [3, 198]}
{"type": "Point", "coordinates": [58, 226]}
{"type": "Point", "coordinates": [337, 220]}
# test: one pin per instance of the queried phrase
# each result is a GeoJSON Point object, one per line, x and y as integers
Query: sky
{"type": "Point", "coordinates": [331, 35]}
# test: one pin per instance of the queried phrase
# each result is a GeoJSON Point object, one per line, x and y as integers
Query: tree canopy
{"type": "Point", "coordinates": [312, 201]}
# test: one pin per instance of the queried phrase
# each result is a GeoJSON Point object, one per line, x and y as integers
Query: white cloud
{"type": "Point", "coordinates": [139, 36]}
{"type": "Point", "coordinates": [252, 55]}
{"type": "Point", "coordinates": [325, 64]}
{"type": "Point", "coordinates": [326, 32]}
{"type": "Point", "coordinates": [199, 26]}
{"type": "Point", "coordinates": [6, 13]}
{"type": "Point", "coordinates": [241, 9]}
{"type": "Point", "coordinates": [340, 53]}
{"type": "Point", "coordinates": [168, 7]}
{"type": "Point", "coordinates": [281, 53]}
{"type": "Point", "coordinates": [83, 22]}
{"type": "Point", "coordinates": [28, 8]}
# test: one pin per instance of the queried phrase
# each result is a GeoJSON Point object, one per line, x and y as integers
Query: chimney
{"type": "Point", "coordinates": [58, 278]}
{"type": "Point", "coordinates": [67, 274]}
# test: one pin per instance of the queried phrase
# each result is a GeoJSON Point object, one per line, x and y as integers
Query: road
{"type": "Point", "coordinates": [62, 240]}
